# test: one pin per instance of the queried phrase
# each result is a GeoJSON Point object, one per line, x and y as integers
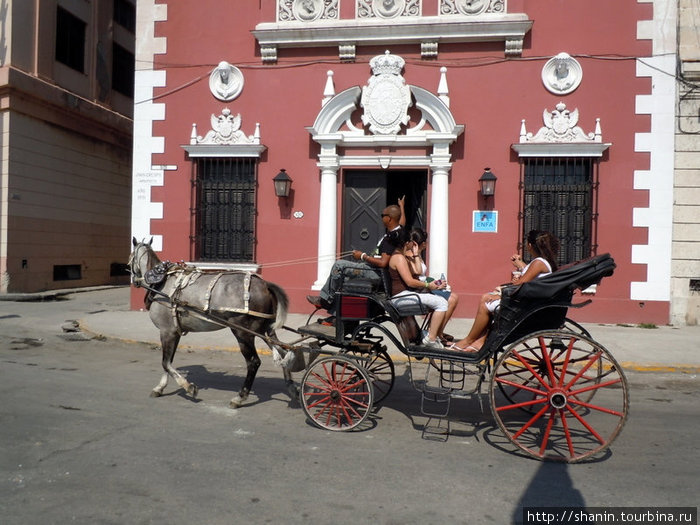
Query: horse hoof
{"type": "Point", "coordinates": [155, 393]}
{"type": "Point", "coordinates": [192, 390]}
{"type": "Point", "coordinates": [235, 403]}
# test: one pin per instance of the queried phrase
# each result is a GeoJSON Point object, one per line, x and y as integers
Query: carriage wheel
{"type": "Point", "coordinates": [578, 396]}
{"type": "Point", "coordinates": [381, 370]}
{"type": "Point", "coordinates": [336, 393]}
{"type": "Point", "coordinates": [516, 379]}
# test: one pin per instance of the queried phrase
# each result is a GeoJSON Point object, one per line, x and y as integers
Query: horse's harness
{"type": "Point", "coordinates": [185, 275]}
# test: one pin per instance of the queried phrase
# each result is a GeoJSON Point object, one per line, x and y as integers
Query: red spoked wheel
{"type": "Point", "coordinates": [558, 395]}
{"type": "Point", "coordinates": [381, 370]}
{"type": "Point", "coordinates": [515, 376]}
{"type": "Point", "coordinates": [336, 393]}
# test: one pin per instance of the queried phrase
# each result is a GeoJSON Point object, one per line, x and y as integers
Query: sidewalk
{"type": "Point", "coordinates": [104, 312]}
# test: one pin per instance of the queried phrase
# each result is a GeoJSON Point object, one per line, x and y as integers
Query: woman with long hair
{"type": "Point", "coordinates": [409, 294]}
{"type": "Point", "coordinates": [544, 248]}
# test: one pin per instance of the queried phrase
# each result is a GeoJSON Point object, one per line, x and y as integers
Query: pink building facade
{"type": "Point", "coordinates": [569, 104]}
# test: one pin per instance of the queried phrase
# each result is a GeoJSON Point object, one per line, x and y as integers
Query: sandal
{"type": "Point", "coordinates": [470, 349]}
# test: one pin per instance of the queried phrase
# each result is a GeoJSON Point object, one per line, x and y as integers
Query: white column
{"type": "Point", "coordinates": [327, 222]}
{"type": "Point", "coordinates": [439, 222]}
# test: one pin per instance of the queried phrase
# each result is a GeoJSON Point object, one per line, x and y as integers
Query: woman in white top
{"type": "Point", "coordinates": [418, 267]}
{"type": "Point", "coordinates": [543, 247]}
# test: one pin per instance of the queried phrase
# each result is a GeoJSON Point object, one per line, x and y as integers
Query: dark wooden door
{"type": "Point", "coordinates": [366, 194]}
{"type": "Point", "coordinates": [364, 198]}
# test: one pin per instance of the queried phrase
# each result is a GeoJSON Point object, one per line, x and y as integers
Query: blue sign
{"type": "Point", "coordinates": [485, 221]}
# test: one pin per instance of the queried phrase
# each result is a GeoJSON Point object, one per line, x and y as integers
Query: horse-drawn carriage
{"type": "Point", "coordinates": [554, 391]}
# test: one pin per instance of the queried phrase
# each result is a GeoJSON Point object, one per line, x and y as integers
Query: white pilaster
{"type": "Point", "coordinates": [144, 177]}
{"type": "Point", "coordinates": [660, 104]}
{"type": "Point", "coordinates": [439, 221]}
{"type": "Point", "coordinates": [327, 221]}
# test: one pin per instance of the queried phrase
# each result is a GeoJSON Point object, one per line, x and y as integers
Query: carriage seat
{"type": "Point", "coordinates": [403, 318]}
{"type": "Point", "coordinates": [575, 276]}
{"type": "Point", "coordinates": [542, 304]}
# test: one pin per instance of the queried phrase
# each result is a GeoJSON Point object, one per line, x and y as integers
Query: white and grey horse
{"type": "Point", "coordinates": [189, 300]}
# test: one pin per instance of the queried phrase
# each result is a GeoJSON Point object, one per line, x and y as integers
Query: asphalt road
{"type": "Point", "coordinates": [81, 441]}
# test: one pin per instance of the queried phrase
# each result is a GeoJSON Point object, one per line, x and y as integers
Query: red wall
{"type": "Point", "coordinates": [489, 93]}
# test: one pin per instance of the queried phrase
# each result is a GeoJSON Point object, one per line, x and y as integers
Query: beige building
{"type": "Point", "coordinates": [66, 106]}
{"type": "Point", "coordinates": [685, 281]}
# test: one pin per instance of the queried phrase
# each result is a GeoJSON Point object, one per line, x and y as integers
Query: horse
{"type": "Point", "coordinates": [186, 299]}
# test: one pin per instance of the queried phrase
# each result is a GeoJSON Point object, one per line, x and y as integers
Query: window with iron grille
{"type": "Point", "coordinates": [559, 195]}
{"type": "Point", "coordinates": [225, 209]}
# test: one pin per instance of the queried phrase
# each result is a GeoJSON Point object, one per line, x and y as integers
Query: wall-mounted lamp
{"type": "Point", "coordinates": [283, 184]}
{"type": "Point", "coordinates": [488, 183]}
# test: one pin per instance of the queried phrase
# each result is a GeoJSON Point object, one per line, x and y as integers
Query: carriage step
{"type": "Point", "coordinates": [434, 404]}
{"type": "Point", "coordinates": [436, 429]}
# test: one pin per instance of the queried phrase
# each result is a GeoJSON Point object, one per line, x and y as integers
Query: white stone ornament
{"type": "Point", "coordinates": [561, 126]}
{"type": "Point", "coordinates": [225, 129]}
{"type": "Point", "coordinates": [388, 8]}
{"type": "Point", "coordinates": [562, 74]}
{"type": "Point", "coordinates": [386, 97]}
{"type": "Point", "coordinates": [226, 82]}
{"type": "Point", "coordinates": [307, 10]}
{"type": "Point", "coordinates": [472, 7]}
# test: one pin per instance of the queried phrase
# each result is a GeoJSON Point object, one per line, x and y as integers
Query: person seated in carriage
{"type": "Point", "coordinates": [419, 237]}
{"type": "Point", "coordinates": [410, 295]}
{"type": "Point", "coordinates": [364, 266]}
{"type": "Point", "coordinates": [543, 248]}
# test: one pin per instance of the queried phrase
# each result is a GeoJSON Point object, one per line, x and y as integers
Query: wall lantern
{"type": "Point", "coordinates": [283, 184]}
{"type": "Point", "coordinates": [488, 183]}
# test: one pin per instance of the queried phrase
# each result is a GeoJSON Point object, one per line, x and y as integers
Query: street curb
{"type": "Point", "coordinates": [52, 295]}
{"type": "Point", "coordinates": [396, 357]}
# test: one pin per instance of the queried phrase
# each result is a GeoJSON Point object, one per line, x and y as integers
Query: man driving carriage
{"type": "Point", "coordinates": [364, 266]}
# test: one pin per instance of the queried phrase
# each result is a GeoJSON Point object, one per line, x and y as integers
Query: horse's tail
{"type": "Point", "coordinates": [282, 305]}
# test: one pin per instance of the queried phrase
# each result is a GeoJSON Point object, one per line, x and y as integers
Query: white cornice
{"type": "Point", "coordinates": [224, 150]}
{"type": "Point", "coordinates": [509, 28]}
{"type": "Point", "coordinates": [561, 149]}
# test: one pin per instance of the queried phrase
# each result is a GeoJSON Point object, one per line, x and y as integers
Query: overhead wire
{"type": "Point", "coordinates": [461, 63]}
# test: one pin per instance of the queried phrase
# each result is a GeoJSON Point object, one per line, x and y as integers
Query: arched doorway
{"type": "Point", "coordinates": [382, 146]}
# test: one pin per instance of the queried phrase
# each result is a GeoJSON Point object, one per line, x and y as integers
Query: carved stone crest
{"type": "Point", "coordinates": [560, 126]}
{"type": "Point", "coordinates": [386, 97]}
{"type": "Point", "coordinates": [225, 129]}
{"type": "Point", "coordinates": [226, 82]}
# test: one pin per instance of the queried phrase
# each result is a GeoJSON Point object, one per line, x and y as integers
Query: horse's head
{"type": "Point", "coordinates": [142, 259]}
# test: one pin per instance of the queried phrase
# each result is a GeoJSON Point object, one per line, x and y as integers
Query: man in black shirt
{"type": "Point", "coordinates": [365, 266]}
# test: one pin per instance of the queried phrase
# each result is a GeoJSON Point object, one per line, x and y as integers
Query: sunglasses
{"type": "Point", "coordinates": [385, 215]}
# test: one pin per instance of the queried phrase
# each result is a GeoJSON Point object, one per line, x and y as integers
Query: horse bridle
{"type": "Point", "coordinates": [134, 263]}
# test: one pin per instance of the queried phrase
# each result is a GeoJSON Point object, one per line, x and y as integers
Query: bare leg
{"type": "Point", "coordinates": [452, 302]}
{"type": "Point", "coordinates": [436, 323]}
{"type": "Point", "coordinates": [481, 323]}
